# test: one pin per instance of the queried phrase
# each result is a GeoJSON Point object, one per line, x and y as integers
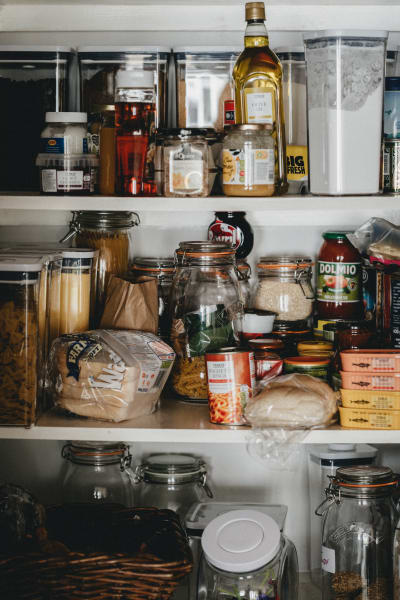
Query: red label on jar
{"type": "Point", "coordinates": [231, 383]}
{"type": "Point", "coordinates": [229, 112]}
{"type": "Point", "coordinates": [222, 232]}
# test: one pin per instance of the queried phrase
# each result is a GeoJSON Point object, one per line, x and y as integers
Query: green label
{"type": "Point", "coordinates": [338, 282]}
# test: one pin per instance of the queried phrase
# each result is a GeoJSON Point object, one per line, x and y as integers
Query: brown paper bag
{"type": "Point", "coordinates": [131, 305]}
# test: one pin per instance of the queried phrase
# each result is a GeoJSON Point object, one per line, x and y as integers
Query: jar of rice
{"type": "Point", "coordinates": [284, 287]}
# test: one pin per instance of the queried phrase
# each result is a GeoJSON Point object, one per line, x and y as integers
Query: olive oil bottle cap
{"type": "Point", "coordinates": [255, 10]}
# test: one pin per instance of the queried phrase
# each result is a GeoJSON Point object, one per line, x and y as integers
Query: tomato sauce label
{"type": "Point", "coordinates": [338, 282]}
{"type": "Point", "coordinates": [231, 383]}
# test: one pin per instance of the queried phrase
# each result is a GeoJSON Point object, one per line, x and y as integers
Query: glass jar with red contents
{"type": "Point", "coordinates": [339, 279]}
{"type": "Point", "coordinates": [358, 334]}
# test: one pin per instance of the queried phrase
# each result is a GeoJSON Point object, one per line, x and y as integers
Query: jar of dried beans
{"type": "Point", "coordinates": [284, 287]}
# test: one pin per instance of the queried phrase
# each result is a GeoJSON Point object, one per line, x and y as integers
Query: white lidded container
{"type": "Point", "coordinates": [345, 84]}
{"type": "Point", "coordinates": [65, 133]}
{"type": "Point", "coordinates": [323, 460]}
{"type": "Point", "coordinates": [246, 556]}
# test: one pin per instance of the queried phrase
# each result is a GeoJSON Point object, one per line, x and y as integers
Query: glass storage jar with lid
{"type": "Point", "coordinates": [206, 312]}
{"type": "Point", "coordinates": [173, 481]}
{"type": "Point", "coordinates": [285, 288]}
{"type": "Point", "coordinates": [109, 232]}
{"type": "Point", "coordinates": [357, 539]}
{"type": "Point", "coordinates": [163, 270]}
{"type": "Point", "coordinates": [246, 556]}
{"type": "Point", "coordinates": [98, 472]}
{"type": "Point", "coordinates": [186, 163]}
{"type": "Point", "coordinates": [248, 161]}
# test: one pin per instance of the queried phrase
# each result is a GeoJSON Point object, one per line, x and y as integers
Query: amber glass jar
{"type": "Point", "coordinates": [356, 335]}
{"type": "Point", "coordinates": [339, 279]}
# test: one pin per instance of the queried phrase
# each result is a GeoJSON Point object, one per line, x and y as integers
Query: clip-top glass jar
{"type": "Point", "coordinates": [173, 481]}
{"type": "Point", "coordinates": [98, 472]}
{"type": "Point", "coordinates": [163, 270]}
{"type": "Point", "coordinates": [206, 310]}
{"type": "Point", "coordinates": [285, 288]}
{"type": "Point", "coordinates": [357, 539]}
{"type": "Point", "coordinates": [246, 556]}
{"type": "Point", "coordinates": [109, 232]}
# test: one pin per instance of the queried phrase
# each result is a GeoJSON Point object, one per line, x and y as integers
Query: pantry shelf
{"type": "Point", "coordinates": [176, 422]}
{"type": "Point", "coordinates": [280, 204]}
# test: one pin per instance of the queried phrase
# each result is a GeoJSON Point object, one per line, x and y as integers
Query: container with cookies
{"type": "Point", "coordinates": [19, 339]}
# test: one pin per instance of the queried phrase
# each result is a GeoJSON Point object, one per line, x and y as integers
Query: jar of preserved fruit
{"type": "Point", "coordinates": [163, 270]}
{"type": "Point", "coordinates": [110, 233]}
{"type": "Point", "coordinates": [339, 278]}
{"type": "Point", "coordinates": [186, 163]}
{"type": "Point", "coordinates": [206, 312]}
{"type": "Point", "coordinates": [174, 481]}
{"type": "Point", "coordinates": [232, 228]}
{"type": "Point", "coordinates": [284, 287]}
{"type": "Point", "coordinates": [98, 472]}
{"type": "Point", "coordinates": [248, 161]}
{"type": "Point", "coordinates": [357, 539]}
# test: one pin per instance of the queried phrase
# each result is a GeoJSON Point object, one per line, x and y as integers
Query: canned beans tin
{"type": "Point", "coordinates": [231, 383]}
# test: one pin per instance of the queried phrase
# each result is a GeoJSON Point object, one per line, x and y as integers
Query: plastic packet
{"type": "Point", "coordinates": [293, 401]}
{"type": "Point", "coordinates": [277, 447]}
{"type": "Point", "coordinates": [377, 238]}
{"type": "Point", "coordinates": [109, 375]}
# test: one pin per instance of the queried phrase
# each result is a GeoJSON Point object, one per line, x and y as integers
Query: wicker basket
{"type": "Point", "coordinates": [154, 557]}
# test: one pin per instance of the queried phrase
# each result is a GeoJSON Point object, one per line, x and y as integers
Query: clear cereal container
{"type": "Point", "coordinates": [33, 80]}
{"type": "Point", "coordinates": [19, 339]}
{"type": "Point", "coordinates": [284, 287]}
{"type": "Point", "coordinates": [203, 84]}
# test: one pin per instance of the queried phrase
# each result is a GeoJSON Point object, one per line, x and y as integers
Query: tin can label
{"type": "Point", "coordinates": [338, 282]}
{"type": "Point", "coordinates": [229, 112]}
{"type": "Point", "coordinates": [231, 383]}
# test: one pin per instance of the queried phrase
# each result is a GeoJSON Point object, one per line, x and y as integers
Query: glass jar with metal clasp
{"type": "Point", "coordinates": [358, 530]}
{"type": "Point", "coordinates": [173, 481]}
{"type": "Point", "coordinates": [98, 472]}
{"type": "Point", "coordinates": [284, 287]}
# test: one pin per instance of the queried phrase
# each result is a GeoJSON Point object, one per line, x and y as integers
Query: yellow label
{"type": "Point", "coordinates": [297, 163]}
{"type": "Point", "coordinates": [259, 105]}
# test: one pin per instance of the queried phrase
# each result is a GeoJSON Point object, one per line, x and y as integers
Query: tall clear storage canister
{"type": "Point", "coordinates": [33, 81]}
{"type": "Point", "coordinates": [323, 460]}
{"type": "Point", "coordinates": [295, 108]}
{"type": "Point", "coordinates": [345, 83]}
{"type": "Point", "coordinates": [203, 84]}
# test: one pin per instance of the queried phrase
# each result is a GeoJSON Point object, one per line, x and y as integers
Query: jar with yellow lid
{"type": "Point", "coordinates": [284, 287]}
{"type": "Point", "coordinates": [316, 366]}
{"type": "Point", "coordinates": [248, 159]}
{"type": "Point", "coordinates": [315, 348]}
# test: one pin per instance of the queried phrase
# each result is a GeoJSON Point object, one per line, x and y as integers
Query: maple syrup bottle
{"type": "Point", "coordinates": [257, 75]}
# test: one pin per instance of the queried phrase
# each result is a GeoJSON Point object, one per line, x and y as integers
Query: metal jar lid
{"type": "Point", "coordinates": [97, 453]}
{"type": "Point", "coordinates": [288, 262]}
{"type": "Point", "coordinates": [364, 476]}
{"type": "Point", "coordinates": [156, 267]}
{"type": "Point", "coordinates": [204, 251]}
{"type": "Point", "coordinates": [170, 469]}
{"type": "Point", "coordinates": [105, 219]}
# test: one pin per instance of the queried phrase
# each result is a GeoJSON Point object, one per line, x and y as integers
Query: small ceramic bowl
{"type": "Point", "coordinates": [257, 323]}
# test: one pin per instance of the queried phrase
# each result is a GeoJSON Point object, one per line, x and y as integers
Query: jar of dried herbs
{"type": "Point", "coordinates": [109, 232]}
{"type": "Point", "coordinates": [206, 311]}
{"type": "Point", "coordinates": [357, 540]}
{"type": "Point", "coordinates": [19, 339]}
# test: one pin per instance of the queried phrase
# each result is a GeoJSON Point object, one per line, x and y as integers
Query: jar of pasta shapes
{"type": "Point", "coordinates": [161, 269]}
{"type": "Point", "coordinates": [206, 312]}
{"type": "Point", "coordinates": [186, 163]}
{"type": "Point", "coordinates": [19, 339]}
{"type": "Point", "coordinates": [110, 233]}
{"type": "Point", "coordinates": [284, 287]}
{"type": "Point", "coordinates": [248, 161]}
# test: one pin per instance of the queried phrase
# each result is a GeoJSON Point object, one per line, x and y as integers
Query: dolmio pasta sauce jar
{"type": "Point", "coordinates": [231, 383]}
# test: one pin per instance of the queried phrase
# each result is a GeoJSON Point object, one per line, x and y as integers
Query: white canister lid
{"type": "Point", "coordinates": [345, 33]}
{"type": "Point", "coordinates": [134, 78]}
{"type": "Point", "coordinates": [78, 253]}
{"type": "Point", "coordinates": [241, 541]}
{"type": "Point", "coordinates": [334, 452]}
{"type": "Point", "coordinates": [66, 117]}
{"type": "Point", "coordinates": [21, 264]}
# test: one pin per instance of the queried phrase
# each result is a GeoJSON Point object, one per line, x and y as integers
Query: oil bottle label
{"type": "Point", "coordinates": [259, 106]}
{"type": "Point", "coordinates": [248, 167]}
{"type": "Point", "coordinates": [297, 163]}
{"type": "Point", "coordinates": [338, 282]}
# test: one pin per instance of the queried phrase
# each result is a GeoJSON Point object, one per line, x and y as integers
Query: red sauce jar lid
{"type": "Point", "coordinates": [266, 344]}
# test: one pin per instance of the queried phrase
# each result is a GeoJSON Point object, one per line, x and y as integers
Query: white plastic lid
{"type": "Point", "coordinates": [342, 451]}
{"type": "Point", "coordinates": [66, 117]}
{"type": "Point", "coordinates": [137, 78]}
{"type": "Point", "coordinates": [207, 49]}
{"type": "Point", "coordinates": [119, 49]}
{"type": "Point", "coordinates": [78, 253]}
{"type": "Point", "coordinates": [201, 514]}
{"type": "Point", "coordinates": [289, 50]}
{"type": "Point", "coordinates": [23, 263]}
{"type": "Point", "coordinates": [15, 48]}
{"type": "Point", "coordinates": [332, 33]}
{"type": "Point", "coordinates": [241, 541]}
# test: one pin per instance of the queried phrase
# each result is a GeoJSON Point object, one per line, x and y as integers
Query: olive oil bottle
{"type": "Point", "coordinates": [257, 75]}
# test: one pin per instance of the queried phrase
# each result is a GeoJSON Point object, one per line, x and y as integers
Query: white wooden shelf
{"type": "Point", "coordinates": [176, 422]}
